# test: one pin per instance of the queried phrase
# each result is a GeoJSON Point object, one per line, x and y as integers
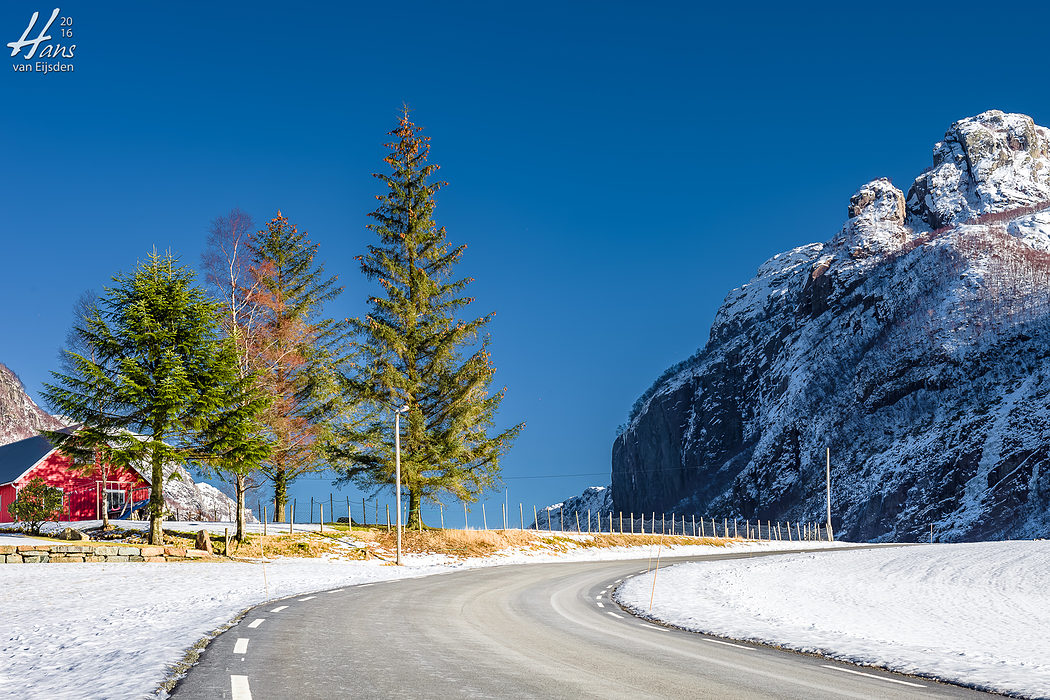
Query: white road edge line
{"type": "Point", "coordinates": [728, 644]}
{"type": "Point", "coordinates": [338, 590]}
{"type": "Point", "coordinates": [255, 623]}
{"type": "Point", "coordinates": [279, 608]}
{"type": "Point", "coordinates": [309, 597]}
{"type": "Point", "coordinates": [241, 647]}
{"type": "Point", "coordinates": [872, 675]}
{"type": "Point", "coordinates": [239, 689]}
{"type": "Point", "coordinates": [365, 585]}
{"type": "Point", "coordinates": [655, 627]}
{"type": "Point", "coordinates": [607, 612]}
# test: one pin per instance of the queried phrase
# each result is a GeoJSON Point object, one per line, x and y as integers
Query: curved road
{"type": "Point", "coordinates": [537, 631]}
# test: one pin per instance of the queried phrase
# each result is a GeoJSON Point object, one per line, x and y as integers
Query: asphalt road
{"type": "Point", "coordinates": [533, 631]}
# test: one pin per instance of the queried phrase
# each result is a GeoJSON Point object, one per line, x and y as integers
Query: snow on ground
{"type": "Point", "coordinates": [976, 614]}
{"type": "Point", "coordinates": [117, 628]}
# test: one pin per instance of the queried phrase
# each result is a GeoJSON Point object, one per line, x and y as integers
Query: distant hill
{"type": "Point", "coordinates": [595, 502]}
{"type": "Point", "coordinates": [20, 417]}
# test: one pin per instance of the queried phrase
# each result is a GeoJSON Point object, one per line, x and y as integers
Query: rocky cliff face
{"type": "Point", "coordinates": [915, 344]}
{"type": "Point", "coordinates": [20, 417]}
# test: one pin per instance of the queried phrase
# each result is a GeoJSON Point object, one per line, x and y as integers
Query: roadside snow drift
{"type": "Point", "coordinates": [976, 614]}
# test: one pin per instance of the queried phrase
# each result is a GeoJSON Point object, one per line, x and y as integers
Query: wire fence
{"type": "Point", "coordinates": [378, 514]}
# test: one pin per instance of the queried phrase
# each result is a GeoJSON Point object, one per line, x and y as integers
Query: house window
{"type": "Point", "coordinates": [114, 499]}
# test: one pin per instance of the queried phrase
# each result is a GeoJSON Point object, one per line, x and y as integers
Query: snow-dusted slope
{"type": "Point", "coordinates": [975, 614]}
{"type": "Point", "coordinates": [20, 417]}
{"type": "Point", "coordinates": [595, 502]}
{"type": "Point", "coordinates": [915, 344]}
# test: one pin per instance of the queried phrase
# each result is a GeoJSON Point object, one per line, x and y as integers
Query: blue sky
{"type": "Point", "coordinates": [615, 168]}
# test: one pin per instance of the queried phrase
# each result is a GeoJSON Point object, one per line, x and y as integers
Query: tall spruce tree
{"type": "Point", "coordinates": [299, 353]}
{"type": "Point", "coordinates": [414, 348]}
{"type": "Point", "coordinates": [153, 382]}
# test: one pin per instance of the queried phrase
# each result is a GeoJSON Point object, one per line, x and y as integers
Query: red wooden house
{"type": "Point", "coordinates": [83, 494]}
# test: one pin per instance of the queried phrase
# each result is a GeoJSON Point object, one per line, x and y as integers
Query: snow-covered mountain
{"type": "Point", "coordinates": [595, 501]}
{"type": "Point", "coordinates": [20, 417]}
{"type": "Point", "coordinates": [915, 344]}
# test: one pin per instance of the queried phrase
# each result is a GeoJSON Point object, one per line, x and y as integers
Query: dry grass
{"type": "Point", "coordinates": [483, 543]}
{"type": "Point", "coordinates": [380, 543]}
{"type": "Point", "coordinates": [456, 543]}
{"type": "Point", "coordinates": [300, 544]}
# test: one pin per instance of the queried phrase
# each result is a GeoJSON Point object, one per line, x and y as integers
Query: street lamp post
{"type": "Point", "coordinates": [397, 474]}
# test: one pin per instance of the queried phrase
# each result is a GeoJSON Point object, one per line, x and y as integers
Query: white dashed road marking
{"type": "Point", "coordinates": [728, 644]}
{"type": "Point", "coordinates": [239, 688]}
{"type": "Point", "coordinates": [871, 675]}
{"type": "Point", "coordinates": [598, 597]}
{"type": "Point", "coordinates": [600, 604]}
{"type": "Point", "coordinates": [279, 608]}
{"type": "Point", "coordinates": [241, 647]}
{"type": "Point", "coordinates": [256, 623]}
{"type": "Point", "coordinates": [613, 614]}
{"type": "Point", "coordinates": [309, 597]}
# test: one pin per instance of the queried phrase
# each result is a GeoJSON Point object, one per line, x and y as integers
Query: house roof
{"type": "Point", "coordinates": [17, 457]}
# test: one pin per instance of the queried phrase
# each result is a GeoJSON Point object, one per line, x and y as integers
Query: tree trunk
{"type": "Point", "coordinates": [156, 499]}
{"type": "Point", "coordinates": [414, 517]}
{"type": "Point", "coordinates": [280, 495]}
{"type": "Point", "coordinates": [240, 508]}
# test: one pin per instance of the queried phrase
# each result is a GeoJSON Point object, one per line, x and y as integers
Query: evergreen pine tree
{"type": "Point", "coordinates": [415, 350]}
{"type": "Point", "coordinates": [154, 382]}
{"type": "Point", "coordinates": [299, 354]}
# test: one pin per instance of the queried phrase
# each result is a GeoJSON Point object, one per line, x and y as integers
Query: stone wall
{"type": "Point", "coordinates": [60, 553]}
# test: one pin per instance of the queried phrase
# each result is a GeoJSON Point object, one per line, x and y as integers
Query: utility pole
{"type": "Point", "coordinates": [827, 473]}
{"type": "Point", "coordinates": [397, 474]}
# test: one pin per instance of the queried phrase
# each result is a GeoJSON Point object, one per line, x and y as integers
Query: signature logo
{"type": "Point", "coordinates": [49, 50]}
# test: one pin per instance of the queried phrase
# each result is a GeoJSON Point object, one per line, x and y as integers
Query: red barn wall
{"type": "Point", "coordinates": [79, 489]}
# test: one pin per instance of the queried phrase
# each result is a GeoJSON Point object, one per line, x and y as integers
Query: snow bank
{"type": "Point", "coordinates": [976, 614]}
{"type": "Point", "coordinates": [117, 628]}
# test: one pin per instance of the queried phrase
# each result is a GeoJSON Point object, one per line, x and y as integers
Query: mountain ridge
{"type": "Point", "coordinates": [914, 343]}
